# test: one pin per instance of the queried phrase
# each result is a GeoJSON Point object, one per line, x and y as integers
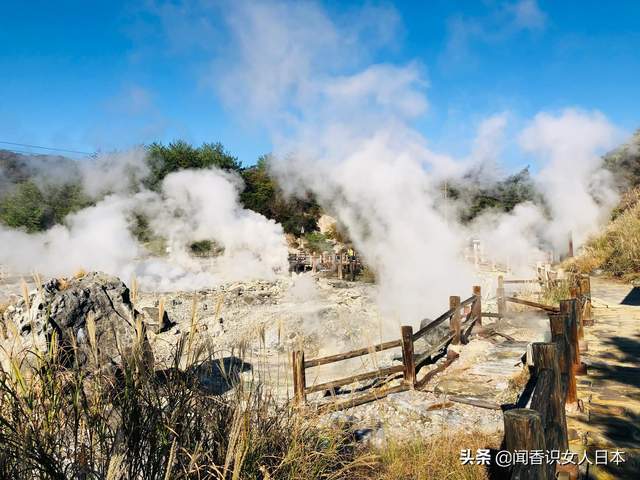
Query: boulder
{"type": "Point", "coordinates": [58, 311]}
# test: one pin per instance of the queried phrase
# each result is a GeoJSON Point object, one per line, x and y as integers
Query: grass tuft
{"type": "Point", "coordinates": [438, 457]}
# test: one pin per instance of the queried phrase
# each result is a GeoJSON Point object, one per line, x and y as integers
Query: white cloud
{"type": "Point", "coordinates": [528, 15]}
{"type": "Point", "coordinates": [500, 24]}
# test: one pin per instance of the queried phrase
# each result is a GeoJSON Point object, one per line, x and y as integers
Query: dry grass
{"type": "Point", "coordinates": [616, 250]}
{"type": "Point", "coordinates": [518, 381]}
{"type": "Point", "coordinates": [552, 295]}
{"type": "Point", "coordinates": [59, 423]}
{"type": "Point", "coordinates": [80, 273]}
{"type": "Point", "coordinates": [434, 458]}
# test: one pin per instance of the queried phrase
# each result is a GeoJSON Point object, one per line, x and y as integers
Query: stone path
{"type": "Point", "coordinates": [611, 389]}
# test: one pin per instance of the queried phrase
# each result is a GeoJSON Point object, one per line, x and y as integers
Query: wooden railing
{"type": "Point", "coordinates": [579, 287]}
{"type": "Point", "coordinates": [459, 330]}
{"type": "Point", "coordinates": [552, 386]}
{"type": "Point", "coordinates": [344, 266]}
{"type": "Point", "coordinates": [543, 426]}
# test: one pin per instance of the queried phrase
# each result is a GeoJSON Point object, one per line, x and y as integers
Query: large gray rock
{"type": "Point", "coordinates": [59, 310]}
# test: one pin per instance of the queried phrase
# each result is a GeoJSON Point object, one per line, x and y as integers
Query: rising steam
{"type": "Point", "coordinates": [343, 127]}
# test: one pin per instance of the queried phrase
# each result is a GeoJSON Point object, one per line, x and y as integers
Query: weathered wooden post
{"type": "Point", "coordinates": [548, 399]}
{"type": "Point", "coordinates": [559, 324]}
{"type": "Point", "coordinates": [476, 311]}
{"type": "Point", "coordinates": [455, 322]}
{"type": "Point", "coordinates": [502, 304]}
{"type": "Point", "coordinates": [587, 318]}
{"type": "Point", "coordinates": [299, 380]}
{"type": "Point", "coordinates": [523, 432]}
{"type": "Point", "coordinates": [576, 294]}
{"type": "Point", "coordinates": [340, 275]}
{"type": "Point", "coordinates": [570, 307]}
{"type": "Point", "coordinates": [570, 253]}
{"type": "Point", "coordinates": [408, 359]}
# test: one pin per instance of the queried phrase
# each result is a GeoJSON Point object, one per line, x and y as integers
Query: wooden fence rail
{"type": "Point", "coordinates": [543, 426]}
{"type": "Point", "coordinates": [459, 330]}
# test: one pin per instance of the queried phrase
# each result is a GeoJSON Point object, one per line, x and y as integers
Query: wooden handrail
{"type": "Point", "coordinates": [427, 328]}
{"type": "Point", "coordinates": [352, 354]}
{"type": "Point", "coordinates": [383, 372]}
{"type": "Point", "coordinates": [548, 308]}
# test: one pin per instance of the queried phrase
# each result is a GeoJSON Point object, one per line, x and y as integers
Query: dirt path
{"type": "Point", "coordinates": [611, 389]}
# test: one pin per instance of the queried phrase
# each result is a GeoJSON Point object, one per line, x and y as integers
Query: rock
{"type": "Point", "coordinates": [58, 311]}
{"type": "Point", "coordinates": [151, 317]}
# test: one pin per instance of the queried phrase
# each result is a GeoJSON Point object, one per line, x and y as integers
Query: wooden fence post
{"type": "Point", "coordinates": [523, 431]}
{"type": "Point", "coordinates": [340, 267]}
{"type": "Point", "coordinates": [477, 305]}
{"type": "Point", "coordinates": [570, 254]}
{"type": "Point", "coordinates": [587, 319]}
{"type": "Point", "coordinates": [570, 307]}
{"type": "Point", "coordinates": [576, 292]}
{"type": "Point", "coordinates": [299, 380]}
{"type": "Point", "coordinates": [408, 359]}
{"type": "Point", "coordinates": [548, 399]}
{"type": "Point", "coordinates": [559, 323]}
{"type": "Point", "coordinates": [455, 323]}
{"type": "Point", "coordinates": [502, 304]}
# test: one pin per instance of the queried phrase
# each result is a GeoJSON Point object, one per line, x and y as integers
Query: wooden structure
{"type": "Point", "coordinates": [541, 427]}
{"type": "Point", "coordinates": [556, 364]}
{"type": "Point", "coordinates": [459, 330]}
{"type": "Point", "coordinates": [344, 267]}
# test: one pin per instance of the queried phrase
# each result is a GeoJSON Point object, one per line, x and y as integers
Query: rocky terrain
{"type": "Point", "coordinates": [260, 323]}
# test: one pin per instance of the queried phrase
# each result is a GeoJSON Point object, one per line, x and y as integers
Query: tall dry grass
{"type": "Point", "coordinates": [59, 423]}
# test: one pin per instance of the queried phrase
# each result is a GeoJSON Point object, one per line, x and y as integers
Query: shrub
{"type": "Point", "coordinates": [205, 248]}
{"type": "Point", "coordinates": [316, 242]}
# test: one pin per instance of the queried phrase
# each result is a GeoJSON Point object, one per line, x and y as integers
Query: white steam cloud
{"type": "Point", "coordinates": [191, 206]}
{"type": "Point", "coordinates": [343, 128]}
{"type": "Point", "coordinates": [346, 134]}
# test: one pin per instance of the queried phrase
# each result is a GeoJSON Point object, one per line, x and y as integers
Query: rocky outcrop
{"type": "Point", "coordinates": [58, 315]}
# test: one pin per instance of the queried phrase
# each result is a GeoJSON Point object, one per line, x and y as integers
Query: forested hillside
{"type": "Point", "coordinates": [38, 191]}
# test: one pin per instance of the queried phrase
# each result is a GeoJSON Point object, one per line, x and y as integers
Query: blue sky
{"type": "Point", "coordinates": [108, 75]}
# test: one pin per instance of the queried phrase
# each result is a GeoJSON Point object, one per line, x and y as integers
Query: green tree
{"type": "Point", "coordinates": [163, 160]}
{"type": "Point", "coordinates": [24, 208]}
{"type": "Point", "coordinates": [262, 194]}
{"type": "Point", "coordinates": [61, 200]}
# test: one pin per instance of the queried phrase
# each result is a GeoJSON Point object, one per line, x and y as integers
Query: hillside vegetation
{"type": "Point", "coordinates": [39, 191]}
{"type": "Point", "coordinates": [616, 250]}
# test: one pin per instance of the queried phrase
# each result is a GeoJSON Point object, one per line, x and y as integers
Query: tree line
{"type": "Point", "coordinates": [29, 202]}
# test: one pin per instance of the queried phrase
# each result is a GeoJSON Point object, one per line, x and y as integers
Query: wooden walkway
{"type": "Point", "coordinates": [611, 389]}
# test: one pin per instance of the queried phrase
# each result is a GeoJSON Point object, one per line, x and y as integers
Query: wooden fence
{"type": "Point", "coordinates": [543, 426]}
{"type": "Point", "coordinates": [460, 326]}
{"type": "Point", "coordinates": [552, 388]}
{"type": "Point", "coordinates": [344, 266]}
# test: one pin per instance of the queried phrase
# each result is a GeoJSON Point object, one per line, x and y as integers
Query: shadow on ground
{"type": "Point", "coordinates": [632, 298]}
{"type": "Point", "coordinates": [215, 377]}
